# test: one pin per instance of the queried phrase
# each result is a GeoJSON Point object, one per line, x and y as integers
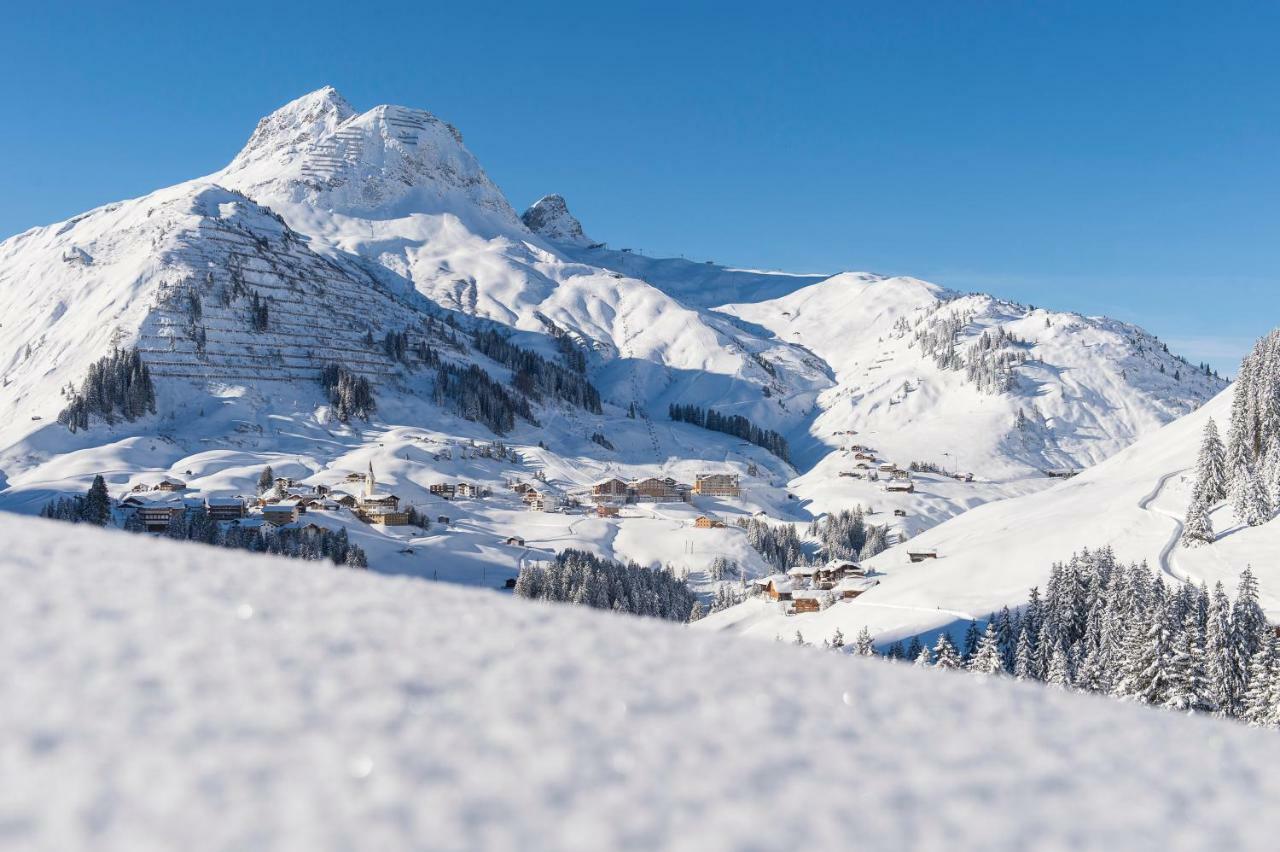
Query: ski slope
{"type": "Point", "coordinates": [161, 696]}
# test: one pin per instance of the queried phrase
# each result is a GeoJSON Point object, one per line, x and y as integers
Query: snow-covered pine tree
{"type": "Point", "coordinates": [922, 658]}
{"type": "Point", "coordinates": [945, 654]}
{"type": "Point", "coordinates": [1250, 500]}
{"type": "Point", "coordinates": [1189, 683]}
{"type": "Point", "coordinates": [96, 507]}
{"type": "Point", "coordinates": [1059, 673]}
{"type": "Point", "coordinates": [266, 479]}
{"type": "Point", "coordinates": [987, 657]}
{"type": "Point", "coordinates": [1222, 663]}
{"type": "Point", "coordinates": [837, 639]}
{"type": "Point", "coordinates": [971, 639]}
{"type": "Point", "coordinates": [1025, 664]}
{"type": "Point", "coordinates": [1211, 467]}
{"type": "Point", "coordinates": [864, 645]}
{"type": "Point", "coordinates": [1257, 708]}
{"type": "Point", "coordinates": [1197, 529]}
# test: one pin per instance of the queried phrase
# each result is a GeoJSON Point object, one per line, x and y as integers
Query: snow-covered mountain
{"type": "Point", "coordinates": [333, 228]}
{"type": "Point", "coordinates": [166, 696]}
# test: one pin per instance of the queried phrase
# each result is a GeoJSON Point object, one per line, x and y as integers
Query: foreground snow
{"type": "Point", "coordinates": [159, 696]}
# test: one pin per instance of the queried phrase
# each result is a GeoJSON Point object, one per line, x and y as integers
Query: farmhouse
{"type": "Point", "coordinates": [802, 602]}
{"type": "Point", "coordinates": [900, 485]}
{"type": "Point", "coordinates": [717, 485]}
{"type": "Point", "coordinates": [921, 555]}
{"type": "Point", "coordinates": [778, 587]}
{"type": "Point", "coordinates": [703, 522]}
{"type": "Point", "coordinates": [607, 510]}
{"type": "Point", "coordinates": [171, 485]}
{"type": "Point", "coordinates": [515, 541]}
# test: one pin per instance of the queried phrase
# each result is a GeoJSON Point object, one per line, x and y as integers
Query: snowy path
{"type": "Point", "coordinates": [1166, 553]}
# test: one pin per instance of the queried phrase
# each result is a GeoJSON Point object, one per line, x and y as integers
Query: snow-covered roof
{"type": "Point", "coordinates": [802, 571]}
{"type": "Point", "coordinates": [855, 584]}
{"type": "Point", "coordinates": [224, 501]}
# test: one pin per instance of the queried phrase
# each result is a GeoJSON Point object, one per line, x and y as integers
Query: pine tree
{"type": "Point", "coordinates": [1189, 683]}
{"type": "Point", "coordinates": [837, 640]}
{"type": "Point", "coordinates": [1197, 530]}
{"type": "Point", "coordinates": [914, 647]}
{"type": "Point", "coordinates": [1211, 467]}
{"type": "Point", "coordinates": [922, 658]}
{"type": "Point", "coordinates": [944, 653]}
{"type": "Point", "coordinates": [971, 638]}
{"type": "Point", "coordinates": [864, 646]}
{"type": "Point", "coordinates": [266, 479]}
{"type": "Point", "coordinates": [1249, 498]}
{"type": "Point", "coordinates": [1257, 708]}
{"type": "Point", "coordinates": [987, 658]}
{"type": "Point", "coordinates": [1059, 672]}
{"type": "Point", "coordinates": [1222, 663]}
{"type": "Point", "coordinates": [1025, 665]}
{"type": "Point", "coordinates": [96, 507]}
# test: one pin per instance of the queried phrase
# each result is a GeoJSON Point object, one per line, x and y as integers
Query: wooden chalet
{"type": "Point", "coordinates": [607, 510]}
{"type": "Point", "coordinates": [705, 522]}
{"type": "Point", "coordinates": [170, 485]}
{"type": "Point", "coordinates": [515, 541]}
{"type": "Point", "coordinates": [778, 587]}
{"type": "Point", "coordinates": [921, 555]}
{"type": "Point", "coordinates": [904, 486]}
{"type": "Point", "coordinates": [610, 490]}
{"type": "Point", "coordinates": [281, 513]}
{"type": "Point", "coordinates": [852, 587]}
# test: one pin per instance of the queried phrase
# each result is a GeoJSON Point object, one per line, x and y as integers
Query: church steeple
{"type": "Point", "coordinates": [369, 481]}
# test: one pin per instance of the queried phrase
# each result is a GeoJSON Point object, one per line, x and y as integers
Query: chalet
{"type": "Point", "coordinates": [837, 569]}
{"type": "Point", "coordinates": [442, 519]}
{"type": "Point", "coordinates": [170, 485]}
{"type": "Point", "coordinates": [862, 466]}
{"type": "Point", "coordinates": [610, 490]}
{"type": "Point", "coordinates": [802, 602]}
{"type": "Point", "coordinates": [899, 513]}
{"type": "Point", "coordinates": [447, 490]}
{"type": "Point", "coordinates": [900, 485]}
{"type": "Point", "coordinates": [717, 485]}
{"type": "Point", "coordinates": [354, 477]}
{"type": "Point", "coordinates": [921, 555]}
{"type": "Point", "coordinates": [899, 473]}
{"type": "Point", "coordinates": [471, 489]}
{"type": "Point", "coordinates": [607, 510]}
{"type": "Point", "coordinates": [867, 457]}
{"type": "Point", "coordinates": [520, 487]}
{"type": "Point", "coordinates": [283, 482]}
{"type": "Point", "coordinates": [154, 514]}
{"type": "Point", "coordinates": [224, 508]}
{"type": "Point", "coordinates": [346, 500]}
{"type": "Point", "coordinates": [284, 512]}
{"type": "Point", "coordinates": [515, 541]}
{"type": "Point", "coordinates": [1061, 472]}
{"type": "Point", "coordinates": [778, 587]}
{"type": "Point", "coordinates": [888, 467]}
{"type": "Point", "coordinates": [852, 587]}
{"type": "Point", "coordinates": [703, 522]}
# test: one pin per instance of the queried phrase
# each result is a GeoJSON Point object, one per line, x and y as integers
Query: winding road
{"type": "Point", "coordinates": [1166, 553]}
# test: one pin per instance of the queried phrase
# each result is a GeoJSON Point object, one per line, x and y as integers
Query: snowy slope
{"type": "Point", "coordinates": [989, 557]}
{"type": "Point", "coordinates": [161, 697]}
{"type": "Point", "coordinates": [357, 223]}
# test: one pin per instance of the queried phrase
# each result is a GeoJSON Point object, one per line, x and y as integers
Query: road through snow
{"type": "Point", "coordinates": [1166, 552]}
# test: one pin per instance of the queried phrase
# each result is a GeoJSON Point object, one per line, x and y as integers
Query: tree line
{"type": "Point", "coordinates": [731, 424]}
{"type": "Point", "coordinates": [535, 376]}
{"type": "Point", "coordinates": [1246, 470]}
{"type": "Point", "coordinates": [1111, 629]}
{"type": "Point", "coordinates": [118, 386]}
{"type": "Point", "coordinates": [576, 576]}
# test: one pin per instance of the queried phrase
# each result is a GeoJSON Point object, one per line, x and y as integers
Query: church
{"type": "Point", "coordinates": [379, 508]}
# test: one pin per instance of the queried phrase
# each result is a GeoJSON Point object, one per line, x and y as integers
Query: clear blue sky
{"type": "Point", "coordinates": [1101, 157]}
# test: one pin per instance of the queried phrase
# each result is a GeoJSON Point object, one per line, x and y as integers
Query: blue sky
{"type": "Point", "coordinates": [1099, 157]}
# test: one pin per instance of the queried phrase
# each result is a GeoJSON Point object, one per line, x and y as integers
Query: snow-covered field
{"type": "Point", "coordinates": [161, 696]}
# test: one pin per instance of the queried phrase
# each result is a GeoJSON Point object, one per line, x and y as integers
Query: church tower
{"type": "Point", "coordinates": [369, 482]}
